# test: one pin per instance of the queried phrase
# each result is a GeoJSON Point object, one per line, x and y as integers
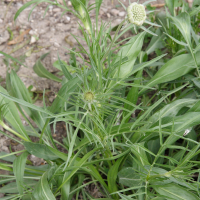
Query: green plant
{"type": "Point", "coordinates": [130, 132]}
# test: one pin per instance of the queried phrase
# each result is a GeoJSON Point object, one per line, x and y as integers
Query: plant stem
{"type": "Point", "coordinates": [12, 131]}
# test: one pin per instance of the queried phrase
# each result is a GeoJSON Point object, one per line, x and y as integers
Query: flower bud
{"type": "Point", "coordinates": [88, 96]}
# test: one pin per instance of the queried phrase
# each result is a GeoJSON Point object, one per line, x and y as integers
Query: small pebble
{"type": "Point", "coordinates": [68, 18]}
{"type": "Point", "coordinates": [56, 10]}
{"type": "Point", "coordinates": [4, 148]}
{"type": "Point", "coordinates": [69, 3]}
{"type": "Point", "coordinates": [56, 44]}
{"type": "Point", "coordinates": [33, 40]}
{"type": "Point", "coordinates": [121, 14]}
{"type": "Point", "coordinates": [114, 12]}
{"type": "Point", "coordinates": [1, 21]}
{"type": "Point", "coordinates": [108, 15]}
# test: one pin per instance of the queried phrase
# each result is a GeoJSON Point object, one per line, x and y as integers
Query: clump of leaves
{"type": "Point", "coordinates": [131, 131]}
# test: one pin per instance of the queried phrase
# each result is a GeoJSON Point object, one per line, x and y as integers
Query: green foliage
{"type": "Point", "coordinates": [131, 112]}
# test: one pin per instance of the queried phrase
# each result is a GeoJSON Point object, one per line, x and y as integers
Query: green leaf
{"type": "Point", "coordinates": [57, 64]}
{"type": "Point", "coordinates": [64, 94]}
{"type": "Point", "coordinates": [173, 69]}
{"type": "Point", "coordinates": [10, 158]}
{"type": "Point", "coordinates": [133, 94]}
{"type": "Point", "coordinates": [12, 187]}
{"type": "Point", "coordinates": [11, 113]}
{"type": "Point", "coordinates": [177, 41]}
{"type": "Point", "coordinates": [95, 173]}
{"type": "Point", "coordinates": [183, 23]}
{"type": "Point", "coordinates": [112, 175]}
{"type": "Point", "coordinates": [197, 47]}
{"type": "Point", "coordinates": [155, 43]}
{"type": "Point", "coordinates": [78, 165]}
{"type": "Point", "coordinates": [130, 51]}
{"type": "Point", "coordinates": [65, 70]}
{"type": "Point", "coordinates": [60, 154]}
{"type": "Point", "coordinates": [171, 109]}
{"type": "Point", "coordinates": [18, 90]}
{"type": "Point", "coordinates": [26, 5]}
{"type": "Point", "coordinates": [41, 71]}
{"type": "Point", "coordinates": [140, 152]}
{"type": "Point", "coordinates": [175, 192]}
{"type": "Point", "coordinates": [22, 102]}
{"type": "Point", "coordinates": [14, 59]}
{"type": "Point", "coordinates": [42, 189]}
{"type": "Point", "coordinates": [194, 11]}
{"type": "Point", "coordinates": [187, 120]}
{"type": "Point", "coordinates": [18, 169]}
{"type": "Point", "coordinates": [129, 177]}
{"type": "Point", "coordinates": [40, 151]}
{"type": "Point", "coordinates": [170, 5]}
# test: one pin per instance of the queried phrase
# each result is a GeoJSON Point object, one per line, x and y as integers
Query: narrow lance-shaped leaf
{"type": "Point", "coordinates": [182, 22]}
{"type": "Point", "coordinates": [40, 150]}
{"type": "Point", "coordinates": [42, 189]}
{"type": "Point", "coordinates": [19, 90]}
{"type": "Point", "coordinates": [11, 188]}
{"type": "Point", "coordinates": [130, 51]}
{"type": "Point", "coordinates": [173, 69]}
{"type": "Point", "coordinates": [11, 113]}
{"type": "Point", "coordinates": [41, 71]}
{"type": "Point", "coordinates": [175, 192]}
{"type": "Point", "coordinates": [112, 175]}
{"type": "Point", "coordinates": [18, 169]}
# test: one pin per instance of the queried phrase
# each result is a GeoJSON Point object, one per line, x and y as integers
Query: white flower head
{"type": "Point", "coordinates": [136, 13]}
{"type": "Point", "coordinates": [137, 16]}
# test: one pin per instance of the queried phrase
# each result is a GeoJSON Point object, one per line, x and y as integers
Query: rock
{"type": "Point", "coordinates": [68, 18]}
{"type": "Point", "coordinates": [1, 21]}
{"type": "Point", "coordinates": [114, 12]}
{"type": "Point", "coordinates": [36, 161]}
{"type": "Point", "coordinates": [69, 3]}
{"type": "Point", "coordinates": [4, 36]}
{"type": "Point", "coordinates": [33, 39]}
{"type": "Point", "coordinates": [56, 10]}
{"type": "Point", "coordinates": [56, 44]}
{"type": "Point", "coordinates": [101, 12]}
{"type": "Point", "coordinates": [50, 7]}
{"type": "Point", "coordinates": [4, 148]}
{"type": "Point", "coordinates": [31, 32]}
{"type": "Point", "coordinates": [108, 15]}
{"type": "Point", "coordinates": [122, 14]}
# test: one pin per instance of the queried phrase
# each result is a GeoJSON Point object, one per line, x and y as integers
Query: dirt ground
{"type": "Point", "coordinates": [40, 35]}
